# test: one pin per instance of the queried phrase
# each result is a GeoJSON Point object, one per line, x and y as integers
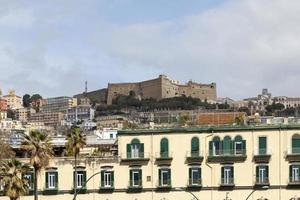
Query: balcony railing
{"type": "Point", "coordinates": [194, 156]}
{"type": "Point", "coordinates": [230, 155]}
{"type": "Point", "coordinates": [164, 155]}
{"type": "Point", "coordinates": [293, 154]}
{"type": "Point", "coordinates": [164, 183]}
{"type": "Point", "coordinates": [227, 182]}
{"type": "Point", "coordinates": [140, 156]}
{"type": "Point", "coordinates": [194, 182]}
{"type": "Point", "coordinates": [294, 181]}
{"type": "Point", "coordinates": [262, 181]}
{"type": "Point", "coordinates": [262, 155]}
{"type": "Point", "coordinates": [135, 184]}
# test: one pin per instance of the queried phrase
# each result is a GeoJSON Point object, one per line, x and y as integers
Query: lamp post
{"type": "Point", "coordinates": [264, 187]}
{"type": "Point", "coordinates": [84, 185]}
{"type": "Point", "coordinates": [183, 190]}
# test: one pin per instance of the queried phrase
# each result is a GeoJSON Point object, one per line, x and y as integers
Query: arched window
{"type": "Point", "coordinates": [296, 144]}
{"type": "Point", "coordinates": [164, 148]}
{"type": "Point", "coordinates": [135, 149]}
{"type": "Point", "coordinates": [195, 147]}
{"type": "Point", "coordinates": [239, 145]}
{"type": "Point", "coordinates": [227, 145]}
{"type": "Point", "coordinates": [215, 146]}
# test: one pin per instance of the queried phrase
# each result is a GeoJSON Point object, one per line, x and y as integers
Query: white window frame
{"type": "Point", "coordinates": [164, 172]}
{"type": "Point", "coordinates": [135, 172]}
{"type": "Point", "coordinates": [51, 180]}
{"type": "Point", "coordinates": [295, 173]}
{"type": "Point", "coordinates": [262, 174]}
{"type": "Point", "coordinates": [79, 179]}
{"type": "Point", "coordinates": [240, 151]}
{"type": "Point", "coordinates": [197, 170]}
{"type": "Point", "coordinates": [107, 179]}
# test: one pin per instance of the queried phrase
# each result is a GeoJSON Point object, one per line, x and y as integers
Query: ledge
{"type": "Point", "coordinates": [106, 189]}
{"type": "Point", "coordinates": [194, 159]}
{"type": "Point", "coordinates": [134, 189]}
{"type": "Point", "coordinates": [226, 158]}
{"type": "Point", "coordinates": [50, 192]}
{"type": "Point", "coordinates": [262, 158]}
{"type": "Point", "coordinates": [293, 157]}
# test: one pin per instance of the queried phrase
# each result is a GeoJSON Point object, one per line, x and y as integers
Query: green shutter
{"type": "Point", "coordinates": [164, 147]}
{"type": "Point", "coordinates": [113, 178]}
{"type": "Point", "coordinates": [194, 145]}
{"type": "Point", "coordinates": [222, 173]}
{"type": "Point", "coordinates": [244, 147]}
{"type": "Point", "coordinates": [169, 176]}
{"type": "Point", "coordinates": [262, 142]}
{"type": "Point", "coordinates": [190, 174]}
{"type": "Point", "coordinates": [200, 173]}
{"type": "Point", "coordinates": [46, 178]}
{"type": "Point", "coordinates": [210, 148]}
{"type": "Point", "coordinates": [102, 178]}
{"type": "Point", "coordinates": [84, 179]}
{"type": "Point", "coordinates": [232, 172]}
{"type": "Point", "coordinates": [56, 179]}
{"type": "Point", "coordinates": [267, 171]}
{"type": "Point", "coordinates": [142, 150]}
{"type": "Point", "coordinates": [128, 151]}
{"type": "Point", "coordinates": [291, 171]}
{"type": "Point", "coordinates": [140, 177]}
{"type": "Point", "coordinates": [295, 145]}
{"type": "Point", "coordinates": [130, 178]}
{"type": "Point", "coordinates": [257, 171]}
{"type": "Point", "coordinates": [159, 176]}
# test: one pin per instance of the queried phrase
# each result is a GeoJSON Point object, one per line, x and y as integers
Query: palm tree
{"type": "Point", "coordinates": [76, 140]}
{"type": "Point", "coordinates": [14, 185]}
{"type": "Point", "coordinates": [39, 148]}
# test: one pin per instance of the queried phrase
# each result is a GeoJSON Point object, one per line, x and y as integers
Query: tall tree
{"type": "Point", "coordinates": [26, 101]}
{"type": "Point", "coordinates": [76, 140]}
{"type": "Point", "coordinates": [6, 151]}
{"type": "Point", "coordinates": [39, 148]}
{"type": "Point", "coordinates": [35, 97]}
{"type": "Point", "coordinates": [14, 185]}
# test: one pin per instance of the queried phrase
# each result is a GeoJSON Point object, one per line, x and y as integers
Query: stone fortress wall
{"type": "Point", "coordinates": [162, 87]}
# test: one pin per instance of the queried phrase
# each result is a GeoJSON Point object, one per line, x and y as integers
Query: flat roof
{"type": "Point", "coordinates": [210, 129]}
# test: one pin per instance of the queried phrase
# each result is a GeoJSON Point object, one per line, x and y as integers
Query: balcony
{"type": "Point", "coordinates": [194, 157]}
{"type": "Point", "coordinates": [164, 184]}
{"type": "Point", "coordinates": [108, 187]}
{"type": "Point", "coordinates": [262, 155]}
{"type": "Point", "coordinates": [293, 155]}
{"type": "Point", "coordinates": [135, 186]}
{"type": "Point", "coordinates": [194, 183]}
{"type": "Point", "coordinates": [139, 158]}
{"type": "Point", "coordinates": [227, 182]}
{"type": "Point", "coordinates": [163, 156]}
{"type": "Point", "coordinates": [231, 155]}
{"type": "Point", "coordinates": [262, 181]}
{"type": "Point", "coordinates": [294, 181]}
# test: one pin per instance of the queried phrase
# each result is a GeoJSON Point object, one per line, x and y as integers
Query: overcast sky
{"type": "Point", "coordinates": [52, 46]}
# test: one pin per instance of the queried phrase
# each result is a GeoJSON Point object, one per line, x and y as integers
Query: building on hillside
{"type": "Point", "coordinates": [162, 87]}
{"type": "Point", "coordinates": [3, 104]}
{"type": "Point", "coordinates": [260, 102]}
{"type": "Point", "coordinates": [212, 163]}
{"type": "Point", "coordinates": [23, 114]}
{"type": "Point", "coordinates": [48, 118]}
{"type": "Point", "coordinates": [58, 104]}
{"type": "Point", "coordinates": [3, 115]}
{"type": "Point", "coordinates": [6, 124]}
{"type": "Point", "coordinates": [226, 100]}
{"type": "Point", "coordinates": [80, 113]}
{"type": "Point", "coordinates": [13, 101]}
{"type": "Point", "coordinates": [288, 102]}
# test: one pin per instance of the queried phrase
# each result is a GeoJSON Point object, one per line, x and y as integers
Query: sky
{"type": "Point", "coordinates": [52, 47]}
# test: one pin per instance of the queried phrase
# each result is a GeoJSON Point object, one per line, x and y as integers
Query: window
{"type": "Point", "coordinates": [296, 144]}
{"type": "Point", "coordinates": [227, 174]}
{"type": "Point", "coordinates": [195, 176]}
{"type": "Point", "coordinates": [29, 177]}
{"type": "Point", "coordinates": [164, 148]}
{"type": "Point", "coordinates": [239, 145]}
{"type": "Point", "coordinates": [295, 173]}
{"type": "Point", "coordinates": [51, 180]}
{"type": "Point", "coordinates": [195, 147]}
{"type": "Point", "coordinates": [107, 179]}
{"type": "Point", "coordinates": [164, 177]}
{"type": "Point", "coordinates": [111, 136]}
{"type": "Point", "coordinates": [262, 145]}
{"type": "Point", "coordinates": [227, 145]}
{"type": "Point", "coordinates": [135, 149]}
{"type": "Point", "coordinates": [80, 179]}
{"type": "Point", "coordinates": [262, 174]}
{"type": "Point", "coordinates": [215, 146]}
{"type": "Point", "coordinates": [135, 176]}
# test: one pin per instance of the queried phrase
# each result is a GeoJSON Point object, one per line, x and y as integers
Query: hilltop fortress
{"type": "Point", "coordinates": [162, 87]}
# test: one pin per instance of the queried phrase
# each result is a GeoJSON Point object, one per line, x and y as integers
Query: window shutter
{"type": "Point", "coordinates": [291, 171]}
{"type": "Point", "coordinates": [257, 171]}
{"type": "Point", "coordinates": [142, 150]}
{"type": "Point", "coordinates": [267, 171]}
{"type": "Point", "coordinates": [130, 177]}
{"type": "Point", "coordinates": [190, 174]}
{"type": "Point", "coordinates": [112, 178]}
{"type": "Point", "coordinates": [195, 145]}
{"type": "Point", "coordinates": [200, 173]}
{"type": "Point", "coordinates": [128, 149]}
{"type": "Point", "coordinates": [262, 142]}
{"type": "Point", "coordinates": [210, 148]}
{"type": "Point", "coordinates": [244, 146]}
{"type": "Point", "coordinates": [140, 177]}
{"type": "Point", "coordinates": [232, 172]}
{"type": "Point", "coordinates": [102, 178]}
{"type": "Point", "coordinates": [222, 173]}
{"type": "Point", "coordinates": [56, 179]}
{"type": "Point", "coordinates": [46, 178]}
{"type": "Point", "coordinates": [169, 176]}
{"type": "Point", "coordinates": [84, 179]}
{"type": "Point", "coordinates": [159, 176]}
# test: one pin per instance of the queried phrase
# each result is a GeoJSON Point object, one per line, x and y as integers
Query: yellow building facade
{"type": "Point", "coordinates": [237, 163]}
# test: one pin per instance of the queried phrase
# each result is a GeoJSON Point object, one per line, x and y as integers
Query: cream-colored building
{"type": "Point", "coordinates": [172, 164]}
{"type": "Point", "coordinates": [13, 101]}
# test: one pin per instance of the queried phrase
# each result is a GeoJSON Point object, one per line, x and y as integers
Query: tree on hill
{"type": "Point", "coordinates": [26, 101]}
{"type": "Point", "coordinates": [35, 97]}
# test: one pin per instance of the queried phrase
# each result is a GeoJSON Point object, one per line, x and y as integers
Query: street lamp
{"type": "Point", "coordinates": [183, 190]}
{"type": "Point", "coordinates": [264, 187]}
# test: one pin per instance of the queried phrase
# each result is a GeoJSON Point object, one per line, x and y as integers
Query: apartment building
{"type": "Point", "coordinates": [212, 163]}
{"type": "Point", "coordinates": [58, 104]}
{"type": "Point", "coordinates": [23, 114]}
{"type": "Point", "coordinates": [13, 101]}
{"type": "Point", "coordinates": [80, 113]}
{"type": "Point", "coordinates": [3, 104]}
{"type": "Point", "coordinates": [48, 118]}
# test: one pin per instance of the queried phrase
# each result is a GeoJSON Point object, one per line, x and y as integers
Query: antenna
{"type": "Point", "coordinates": [86, 86]}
